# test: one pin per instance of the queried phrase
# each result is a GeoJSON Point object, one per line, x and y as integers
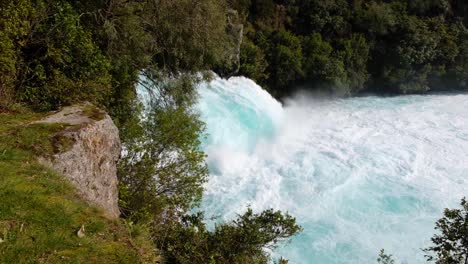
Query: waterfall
{"type": "Point", "coordinates": [359, 174]}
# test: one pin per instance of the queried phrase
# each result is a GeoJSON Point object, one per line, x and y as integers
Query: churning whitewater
{"type": "Point", "coordinates": [359, 174]}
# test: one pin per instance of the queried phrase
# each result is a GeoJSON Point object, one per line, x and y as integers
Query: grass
{"type": "Point", "coordinates": [40, 212]}
{"type": "Point", "coordinates": [93, 112]}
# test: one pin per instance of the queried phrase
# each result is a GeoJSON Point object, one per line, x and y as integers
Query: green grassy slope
{"type": "Point", "coordinates": [40, 212]}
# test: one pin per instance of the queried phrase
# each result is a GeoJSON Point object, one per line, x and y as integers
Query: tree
{"type": "Point", "coordinates": [451, 244]}
{"type": "Point", "coordinates": [242, 6]}
{"type": "Point", "coordinates": [163, 169]}
{"type": "Point", "coordinates": [429, 8]}
{"type": "Point", "coordinates": [284, 60]}
{"type": "Point", "coordinates": [377, 18]}
{"type": "Point", "coordinates": [354, 53]}
{"type": "Point", "coordinates": [322, 68]}
{"type": "Point", "coordinates": [14, 27]}
{"type": "Point", "coordinates": [261, 10]}
{"type": "Point", "coordinates": [190, 35]}
{"type": "Point", "coordinates": [50, 58]}
{"type": "Point", "coordinates": [460, 9]}
{"type": "Point", "coordinates": [378, 46]}
{"type": "Point", "coordinates": [385, 258]}
{"type": "Point", "coordinates": [253, 62]}
{"type": "Point", "coordinates": [329, 17]}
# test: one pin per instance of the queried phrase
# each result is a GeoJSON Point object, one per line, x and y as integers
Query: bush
{"type": "Point", "coordinates": [15, 26]}
{"type": "Point", "coordinates": [451, 244]}
{"type": "Point", "coordinates": [50, 60]}
{"type": "Point", "coordinates": [242, 240]}
{"type": "Point", "coordinates": [62, 65]}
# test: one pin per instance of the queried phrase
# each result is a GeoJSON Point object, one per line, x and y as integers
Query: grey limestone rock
{"type": "Point", "coordinates": [90, 160]}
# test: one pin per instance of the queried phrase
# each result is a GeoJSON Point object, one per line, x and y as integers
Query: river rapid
{"type": "Point", "coordinates": [359, 174]}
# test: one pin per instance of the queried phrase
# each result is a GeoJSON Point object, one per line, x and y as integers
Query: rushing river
{"type": "Point", "coordinates": [359, 174]}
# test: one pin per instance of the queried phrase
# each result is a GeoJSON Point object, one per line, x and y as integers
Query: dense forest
{"type": "Point", "coordinates": [346, 47]}
{"type": "Point", "coordinates": [55, 53]}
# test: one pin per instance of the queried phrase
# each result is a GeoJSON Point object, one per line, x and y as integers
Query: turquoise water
{"type": "Point", "coordinates": [360, 174]}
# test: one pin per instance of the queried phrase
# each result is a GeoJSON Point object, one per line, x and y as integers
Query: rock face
{"type": "Point", "coordinates": [89, 161]}
{"type": "Point", "coordinates": [235, 32]}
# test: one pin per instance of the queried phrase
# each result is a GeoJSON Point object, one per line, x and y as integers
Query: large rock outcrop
{"type": "Point", "coordinates": [89, 160]}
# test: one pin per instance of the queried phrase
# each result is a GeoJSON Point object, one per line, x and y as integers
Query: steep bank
{"type": "Point", "coordinates": [41, 211]}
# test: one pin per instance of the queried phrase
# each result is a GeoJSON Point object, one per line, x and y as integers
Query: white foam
{"type": "Point", "coordinates": [359, 174]}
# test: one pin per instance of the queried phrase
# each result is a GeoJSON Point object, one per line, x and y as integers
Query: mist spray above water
{"type": "Point", "coordinates": [359, 174]}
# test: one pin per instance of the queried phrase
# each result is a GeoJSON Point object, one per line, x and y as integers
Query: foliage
{"type": "Point", "coordinates": [189, 34]}
{"type": "Point", "coordinates": [322, 68]}
{"type": "Point", "coordinates": [253, 62]}
{"type": "Point", "coordinates": [282, 261]}
{"type": "Point", "coordinates": [56, 53]}
{"type": "Point", "coordinates": [354, 53]}
{"type": "Point", "coordinates": [242, 240]}
{"type": "Point", "coordinates": [250, 233]}
{"type": "Point", "coordinates": [40, 212]}
{"type": "Point", "coordinates": [384, 258]}
{"type": "Point", "coordinates": [163, 168]}
{"type": "Point", "coordinates": [14, 26]}
{"type": "Point", "coordinates": [284, 55]}
{"type": "Point", "coordinates": [329, 17]}
{"type": "Point", "coordinates": [396, 46]}
{"type": "Point", "coordinates": [56, 59]}
{"type": "Point", "coordinates": [451, 244]}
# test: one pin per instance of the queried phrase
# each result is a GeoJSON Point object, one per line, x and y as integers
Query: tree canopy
{"type": "Point", "coordinates": [346, 47]}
